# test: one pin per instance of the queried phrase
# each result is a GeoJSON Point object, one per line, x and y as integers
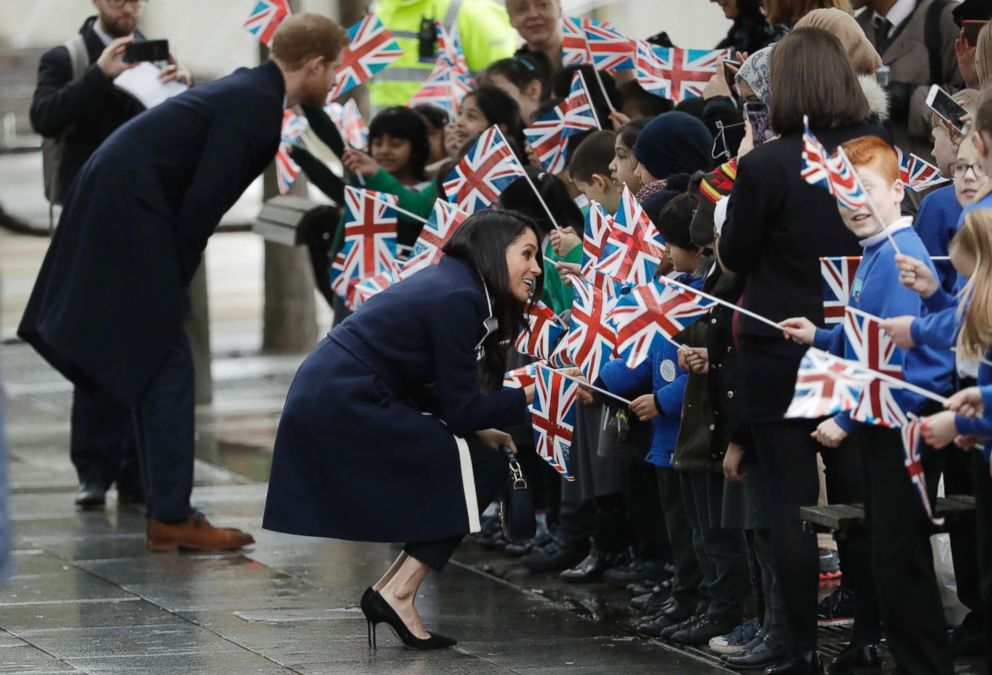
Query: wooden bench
{"type": "Point", "coordinates": [837, 519]}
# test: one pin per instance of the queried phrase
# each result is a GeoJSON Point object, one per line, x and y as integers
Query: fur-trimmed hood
{"type": "Point", "coordinates": [878, 98]}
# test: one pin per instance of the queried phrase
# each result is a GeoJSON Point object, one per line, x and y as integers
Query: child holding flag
{"type": "Point", "coordinates": [902, 563]}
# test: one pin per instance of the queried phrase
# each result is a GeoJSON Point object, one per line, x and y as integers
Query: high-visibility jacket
{"type": "Point", "coordinates": [483, 28]}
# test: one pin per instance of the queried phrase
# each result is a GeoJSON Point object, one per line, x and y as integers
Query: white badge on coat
{"type": "Point", "coordinates": [668, 370]}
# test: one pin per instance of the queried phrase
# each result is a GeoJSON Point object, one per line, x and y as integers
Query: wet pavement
{"type": "Point", "coordinates": [88, 596]}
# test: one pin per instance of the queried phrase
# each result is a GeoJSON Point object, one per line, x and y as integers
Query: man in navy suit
{"type": "Point", "coordinates": [108, 305]}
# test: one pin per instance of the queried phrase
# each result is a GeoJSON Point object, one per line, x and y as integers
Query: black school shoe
{"type": "Point", "coordinates": [638, 569]}
{"type": "Point", "coordinates": [701, 632]}
{"type": "Point", "coordinates": [556, 555]}
{"type": "Point", "coordinates": [519, 548]}
{"type": "Point", "coordinates": [674, 614]}
{"type": "Point", "coordinates": [592, 567]}
{"type": "Point", "coordinates": [765, 653]}
{"type": "Point", "coordinates": [856, 659]}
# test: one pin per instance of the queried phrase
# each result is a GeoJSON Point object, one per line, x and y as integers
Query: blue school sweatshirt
{"type": "Point", "coordinates": [660, 374]}
{"type": "Point", "coordinates": [876, 290]}
{"type": "Point", "coordinates": [980, 426]}
{"type": "Point", "coordinates": [936, 223]}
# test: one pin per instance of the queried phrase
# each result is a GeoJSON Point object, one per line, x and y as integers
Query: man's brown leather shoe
{"type": "Point", "coordinates": [194, 533]}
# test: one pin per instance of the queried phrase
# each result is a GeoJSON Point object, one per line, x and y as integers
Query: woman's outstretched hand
{"type": "Point", "coordinates": [495, 439]}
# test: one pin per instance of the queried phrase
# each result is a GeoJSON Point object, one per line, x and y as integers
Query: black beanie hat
{"type": "Point", "coordinates": [674, 142]}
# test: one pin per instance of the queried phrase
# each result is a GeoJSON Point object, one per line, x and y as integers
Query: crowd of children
{"type": "Point", "coordinates": [690, 496]}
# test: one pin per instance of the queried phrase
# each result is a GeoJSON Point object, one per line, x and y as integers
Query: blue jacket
{"type": "Point", "coordinates": [936, 223]}
{"type": "Point", "coordinates": [876, 290]}
{"type": "Point", "coordinates": [659, 373]}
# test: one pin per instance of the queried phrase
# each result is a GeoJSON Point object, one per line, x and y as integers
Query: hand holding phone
{"type": "Point", "coordinates": [946, 108]}
{"type": "Point", "coordinates": [757, 116]}
{"type": "Point", "coordinates": [149, 50]}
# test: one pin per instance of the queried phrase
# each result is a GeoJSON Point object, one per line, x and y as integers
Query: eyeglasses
{"type": "Point", "coordinates": [961, 169]}
{"type": "Point", "coordinates": [117, 4]}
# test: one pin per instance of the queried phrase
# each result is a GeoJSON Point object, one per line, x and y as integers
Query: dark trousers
{"type": "Point", "coordinates": [688, 576]}
{"type": "Point", "coordinates": [721, 552]}
{"type": "Point", "coordinates": [647, 520]}
{"type": "Point", "coordinates": [490, 471]}
{"type": "Point", "coordinates": [774, 619]}
{"type": "Point", "coordinates": [902, 560]}
{"type": "Point", "coordinates": [102, 446]}
{"type": "Point", "coordinates": [983, 517]}
{"type": "Point", "coordinates": [956, 466]}
{"type": "Point", "coordinates": [787, 456]}
{"type": "Point", "coordinates": [164, 426]}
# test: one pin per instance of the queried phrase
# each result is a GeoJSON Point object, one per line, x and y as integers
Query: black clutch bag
{"type": "Point", "coordinates": [516, 504]}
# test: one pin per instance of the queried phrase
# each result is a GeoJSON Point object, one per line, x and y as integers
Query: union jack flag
{"type": "Point", "coordinates": [369, 239]}
{"type": "Point", "coordinates": [590, 340]}
{"type": "Point", "coordinates": [579, 112]}
{"type": "Point", "coordinates": [832, 172]}
{"type": "Point", "coordinates": [597, 229]}
{"type": "Point", "coordinates": [524, 376]}
{"type": "Point", "coordinates": [874, 349]}
{"type": "Point", "coordinates": [265, 19]}
{"type": "Point", "coordinates": [286, 169]}
{"type": "Point", "coordinates": [450, 48]}
{"type": "Point", "coordinates": [349, 121]}
{"type": "Point", "coordinates": [650, 313]}
{"type": "Point", "coordinates": [676, 73]}
{"type": "Point", "coordinates": [826, 385]}
{"type": "Point", "coordinates": [916, 173]}
{"type": "Point", "coordinates": [553, 419]}
{"type": "Point", "coordinates": [910, 433]}
{"type": "Point", "coordinates": [489, 168]}
{"type": "Point", "coordinates": [633, 249]}
{"type": "Point", "coordinates": [366, 289]}
{"type": "Point", "coordinates": [293, 127]}
{"type": "Point", "coordinates": [574, 45]}
{"type": "Point", "coordinates": [838, 275]}
{"type": "Point", "coordinates": [544, 330]}
{"type": "Point", "coordinates": [610, 50]}
{"type": "Point", "coordinates": [545, 136]}
{"type": "Point", "coordinates": [443, 222]}
{"type": "Point", "coordinates": [445, 87]}
{"type": "Point", "coordinates": [371, 49]}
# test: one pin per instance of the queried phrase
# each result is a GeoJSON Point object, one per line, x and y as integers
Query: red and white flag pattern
{"type": "Point", "coordinates": [676, 73]}
{"type": "Point", "coordinates": [544, 330]}
{"type": "Point", "coordinates": [486, 170]}
{"type": "Point", "coordinates": [265, 19]}
{"type": "Point", "coordinates": [917, 174]}
{"type": "Point", "coordinates": [910, 433]}
{"type": "Point", "coordinates": [591, 339]}
{"type": "Point", "coordinates": [444, 220]}
{"type": "Point", "coordinates": [371, 49]}
{"type": "Point", "coordinates": [349, 121]}
{"type": "Point", "coordinates": [826, 385]}
{"type": "Point", "coordinates": [633, 249]}
{"type": "Point", "coordinates": [553, 419]}
{"type": "Point", "coordinates": [875, 350]}
{"type": "Point", "coordinates": [838, 275]}
{"type": "Point", "coordinates": [369, 240]}
{"type": "Point", "coordinates": [546, 138]}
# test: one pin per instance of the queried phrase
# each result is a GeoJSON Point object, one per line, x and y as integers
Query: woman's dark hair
{"type": "Point", "coordinates": [400, 122]}
{"type": "Point", "coordinates": [520, 197]}
{"type": "Point", "coordinates": [628, 132]}
{"type": "Point", "coordinates": [500, 108]}
{"type": "Point", "coordinates": [434, 115]}
{"type": "Point", "coordinates": [481, 241]}
{"type": "Point", "coordinates": [675, 220]}
{"type": "Point", "coordinates": [810, 75]}
{"type": "Point", "coordinates": [647, 103]}
{"type": "Point", "coordinates": [519, 71]}
{"type": "Point", "coordinates": [561, 84]}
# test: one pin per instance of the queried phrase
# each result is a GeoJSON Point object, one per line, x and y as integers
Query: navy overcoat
{"type": "Point", "coordinates": [109, 301]}
{"type": "Point", "coordinates": [366, 448]}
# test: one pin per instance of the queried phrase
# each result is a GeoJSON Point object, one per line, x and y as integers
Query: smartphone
{"type": "Point", "coordinates": [946, 108]}
{"type": "Point", "coordinates": [149, 50]}
{"type": "Point", "coordinates": [730, 69]}
{"type": "Point", "coordinates": [757, 115]}
{"type": "Point", "coordinates": [971, 30]}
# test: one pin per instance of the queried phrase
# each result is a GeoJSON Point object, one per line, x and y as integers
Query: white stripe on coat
{"type": "Point", "coordinates": [468, 485]}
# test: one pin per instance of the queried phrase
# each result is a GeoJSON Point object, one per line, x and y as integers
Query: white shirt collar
{"type": "Point", "coordinates": [100, 33]}
{"type": "Point", "coordinates": [901, 224]}
{"type": "Point", "coordinates": [897, 15]}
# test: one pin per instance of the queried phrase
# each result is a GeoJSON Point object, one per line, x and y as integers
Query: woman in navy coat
{"type": "Point", "coordinates": [371, 443]}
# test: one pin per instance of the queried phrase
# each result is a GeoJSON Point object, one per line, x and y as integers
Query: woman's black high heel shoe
{"type": "Point", "coordinates": [377, 611]}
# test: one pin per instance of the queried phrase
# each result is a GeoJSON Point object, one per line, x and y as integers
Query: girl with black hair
{"type": "Point", "coordinates": [370, 444]}
{"type": "Point", "coordinates": [623, 168]}
{"type": "Point", "coordinates": [481, 109]}
{"type": "Point", "coordinates": [521, 79]}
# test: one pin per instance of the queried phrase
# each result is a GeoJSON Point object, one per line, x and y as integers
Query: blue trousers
{"type": "Point", "coordinates": [102, 445]}
{"type": "Point", "coordinates": [164, 428]}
